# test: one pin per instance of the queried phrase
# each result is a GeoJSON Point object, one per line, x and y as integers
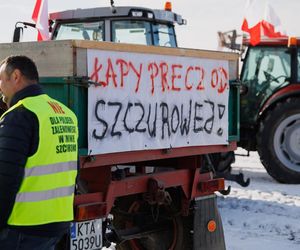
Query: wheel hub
{"type": "Point", "coordinates": [287, 142]}
{"type": "Point", "coordinates": [291, 142]}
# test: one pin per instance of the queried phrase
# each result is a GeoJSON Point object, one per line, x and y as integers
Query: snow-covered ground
{"type": "Point", "coordinates": [265, 215]}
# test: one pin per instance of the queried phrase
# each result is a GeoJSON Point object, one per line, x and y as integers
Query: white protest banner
{"type": "Point", "coordinates": [148, 101]}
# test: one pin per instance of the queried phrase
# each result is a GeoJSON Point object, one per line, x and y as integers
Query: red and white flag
{"type": "Point", "coordinates": [261, 21]}
{"type": "Point", "coordinates": [40, 17]}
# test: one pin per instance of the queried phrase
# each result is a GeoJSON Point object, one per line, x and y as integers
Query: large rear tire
{"type": "Point", "coordinates": [279, 141]}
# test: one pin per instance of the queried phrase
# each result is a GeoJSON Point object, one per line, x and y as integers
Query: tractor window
{"type": "Point", "coordinates": [164, 35]}
{"type": "Point", "coordinates": [82, 31]}
{"type": "Point", "coordinates": [265, 70]}
{"type": "Point", "coordinates": [143, 32]}
{"type": "Point", "coordinates": [271, 65]}
{"type": "Point", "coordinates": [298, 66]}
{"type": "Point", "coordinates": [136, 32]}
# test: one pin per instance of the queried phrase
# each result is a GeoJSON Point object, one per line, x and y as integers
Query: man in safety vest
{"type": "Point", "coordinates": [38, 160]}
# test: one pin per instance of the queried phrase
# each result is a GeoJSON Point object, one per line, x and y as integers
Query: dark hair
{"type": "Point", "coordinates": [22, 63]}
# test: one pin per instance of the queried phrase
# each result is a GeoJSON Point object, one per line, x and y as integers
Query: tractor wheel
{"type": "Point", "coordinates": [278, 141]}
{"type": "Point", "coordinates": [133, 211]}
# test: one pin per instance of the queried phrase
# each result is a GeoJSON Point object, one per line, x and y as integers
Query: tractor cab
{"type": "Point", "coordinates": [267, 68]}
{"type": "Point", "coordinates": [133, 25]}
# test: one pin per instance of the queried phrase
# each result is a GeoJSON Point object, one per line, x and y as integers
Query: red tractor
{"type": "Point", "coordinates": [270, 103]}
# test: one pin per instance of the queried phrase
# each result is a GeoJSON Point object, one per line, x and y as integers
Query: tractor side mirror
{"type": "Point", "coordinates": [18, 32]}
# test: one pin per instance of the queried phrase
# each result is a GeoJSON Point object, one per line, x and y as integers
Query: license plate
{"type": "Point", "coordinates": [86, 235]}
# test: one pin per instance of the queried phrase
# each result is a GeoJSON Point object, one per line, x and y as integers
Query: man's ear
{"type": "Point", "coordinates": [16, 76]}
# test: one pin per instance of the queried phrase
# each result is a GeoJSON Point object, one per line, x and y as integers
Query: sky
{"type": "Point", "coordinates": [204, 17]}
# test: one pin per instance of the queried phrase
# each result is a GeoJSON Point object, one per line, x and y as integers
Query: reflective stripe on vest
{"type": "Point", "coordinates": [51, 169]}
{"type": "Point", "coordinates": [45, 195]}
{"type": "Point", "coordinates": [47, 191]}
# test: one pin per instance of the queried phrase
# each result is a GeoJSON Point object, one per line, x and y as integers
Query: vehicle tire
{"type": "Point", "coordinates": [278, 141]}
{"type": "Point", "coordinates": [176, 237]}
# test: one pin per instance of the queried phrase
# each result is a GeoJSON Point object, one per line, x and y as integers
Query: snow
{"type": "Point", "coordinates": [265, 215]}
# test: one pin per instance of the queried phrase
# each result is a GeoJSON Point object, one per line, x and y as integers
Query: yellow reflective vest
{"type": "Point", "coordinates": [47, 191]}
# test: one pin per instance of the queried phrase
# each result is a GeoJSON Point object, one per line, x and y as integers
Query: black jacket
{"type": "Point", "coordinates": [19, 138]}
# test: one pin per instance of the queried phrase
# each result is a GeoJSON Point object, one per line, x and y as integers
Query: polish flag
{"type": "Point", "coordinates": [40, 17]}
{"type": "Point", "coordinates": [260, 21]}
